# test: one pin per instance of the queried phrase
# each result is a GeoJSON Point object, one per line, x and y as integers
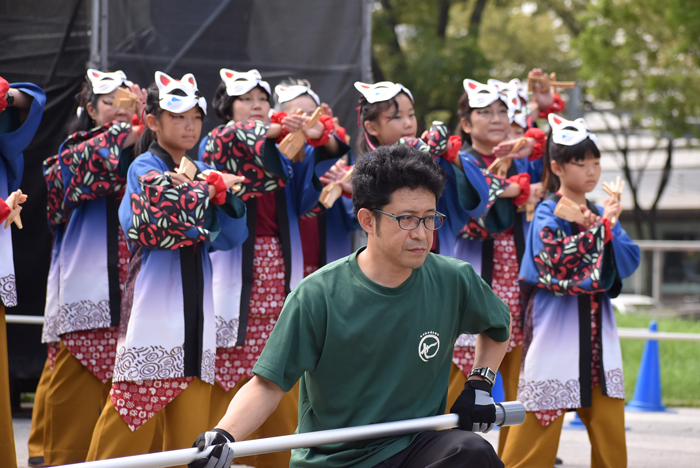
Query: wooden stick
{"type": "Point", "coordinates": [293, 144]}
{"type": "Point", "coordinates": [187, 168]}
{"type": "Point", "coordinates": [124, 99]}
{"type": "Point", "coordinates": [569, 211]}
{"type": "Point", "coordinates": [14, 214]}
{"type": "Point", "coordinates": [333, 191]}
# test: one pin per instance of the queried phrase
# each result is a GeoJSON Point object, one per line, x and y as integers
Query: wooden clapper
{"type": "Point", "coordinates": [614, 189]}
{"type": "Point", "coordinates": [569, 210]}
{"type": "Point", "coordinates": [292, 146]}
{"type": "Point", "coordinates": [124, 99]}
{"type": "Point", "coordinates": [547, 81]}
{"type": "Point", "coordinates": [333, 191]}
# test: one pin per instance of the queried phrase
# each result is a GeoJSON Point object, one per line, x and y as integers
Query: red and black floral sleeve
{"type": "Point", "coordinates": [54, 194]}
{"type": "Point", "coordinates": [571, 264]}
{"type": "Point", "coordinates": [92, 159]}
{"type": "Point", "coordinates": [476, 227]}
{"type": "Point", "coordinates": [168, 216]}
{"type": "Point", "coordinates": [435, 141]}
{"type": "Point", "coordinates": [238, 148]}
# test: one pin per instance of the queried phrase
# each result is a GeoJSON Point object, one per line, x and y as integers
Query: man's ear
{"type": "Point", "coordinates": [466, 125]}
{"type": "Point", "coordinates": [366, 220]}
{"type": "Point", "coordinates": [371, 128]}
{"type": "Point", "coordinates": [152, 122]}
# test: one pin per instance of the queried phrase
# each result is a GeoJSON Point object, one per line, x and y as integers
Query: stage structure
{"type": "Point", "coordinates": [51, 42]}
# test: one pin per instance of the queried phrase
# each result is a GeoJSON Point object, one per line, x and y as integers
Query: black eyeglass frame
{"type": "Point", "coordinates": [398, 218]}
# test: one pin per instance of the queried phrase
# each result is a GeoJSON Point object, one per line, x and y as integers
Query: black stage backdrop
{"type": "Point", "coordinates": [47, 42]}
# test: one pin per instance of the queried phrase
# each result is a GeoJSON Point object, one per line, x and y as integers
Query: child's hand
{"type": "Point", "coordinates": [230, 179]}
{"type": "Point", "coordinates": [589, 218]}
{"type": "Point", "coordinates": [536, 192]}
{"type": "Point", "coordinates": [293, 123]}
{"type": "Point", "coordinates": [141, 101]}
{"type": "Point", "coordinates": [504, 148]}
{"type": "Point", "coordinates": [178, 179]}
{"type": "Point", "coordinates": [612, 209]}
{"type": "Point", "coordinates": [315, 132]}
{"type": "Point", "coordinates": [335, 174]}
{"type": "Point", "coordinates": [543, 99]}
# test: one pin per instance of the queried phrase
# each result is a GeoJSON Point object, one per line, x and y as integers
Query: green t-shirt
{"type": "Point", "coordinates": [367, 354]}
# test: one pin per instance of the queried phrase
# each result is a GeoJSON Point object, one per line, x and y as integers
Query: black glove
{"type": "Point", "coordinates": [475, 407]}
{"type": "Point", "coordinates": [221, 456]}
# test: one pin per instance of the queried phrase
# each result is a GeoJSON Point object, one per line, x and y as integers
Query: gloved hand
{"type": "Point", "coordinates": [475, 407]}
{"type": "Point", "coordinates": [221, 456]}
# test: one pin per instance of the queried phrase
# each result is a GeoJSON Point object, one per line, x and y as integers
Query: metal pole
{"type": "Point", "coordinates": [366, 48]}
{"type": "Point", "coordinates": [95, 36]}
{"type": "Point", "coordinates": [25, 319]}
{"type": "Point", "coordinates": [656, 275]}
{"type": "Point", "coordinates": [508, 413]}
{"type": "Point", "coordinates": [104, 36]}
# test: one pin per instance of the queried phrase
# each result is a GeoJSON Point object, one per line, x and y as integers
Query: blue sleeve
{"type": "Point", "coordinates": [627, 253]}
{"type": "Point", "coordinates": [13, 143]}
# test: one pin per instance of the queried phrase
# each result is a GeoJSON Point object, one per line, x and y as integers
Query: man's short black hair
{"type": "Point", "coordinates": [390, 168]}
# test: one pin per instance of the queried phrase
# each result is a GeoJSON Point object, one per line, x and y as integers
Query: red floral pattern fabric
{"type": "Point", "coordinates": [266, 301]}
{"type": "Point", "coordinates": [95, 349]}
{"type": "Point", "coordinates": [168, 216]}
{"type": "Point", "coordinates": [237, 148]}
{"type": "Point", "coordinates": [55, 213]}
{"type": "Point", "coordinates": [92, 159]}
{"type": "Point", "coordinates": [137, 402]}
{"type": "Point", "coordinates": [51, 353]}
{"type": "Point", "coordinates": [476, 227]}
{"type": "Point", "coordinates": [507, 287]}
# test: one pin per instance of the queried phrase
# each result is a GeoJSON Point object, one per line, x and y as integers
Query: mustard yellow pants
{"type": "Point", "coordinates": [283, 421]}
{"type": "Point", "coordinates": [174, 427]}
{"type": "Point", "coordinates": [74, 399]}
{"type": "Point", "coordinates": [533, 445]}
{"type": "Point", "coordinates": [8, 457]}
{"type": "Point", "coordinates": [510, 373]}
{"type": "Point", "coordinates": [35, 444]}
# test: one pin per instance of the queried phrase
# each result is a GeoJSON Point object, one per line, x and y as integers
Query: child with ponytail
{"type": "Point", "coordinates": [386, 117]}
{"type": "Point", "coordinates": [251, 282]}
{"type": "Point", "coordinates": [164, 365]}
{"type": "Point", "coordinates": [494, 242]}
{"type": "Point", "coordinates": [90, 262]}
{"type": "Point", "coordinates": [571, 352]}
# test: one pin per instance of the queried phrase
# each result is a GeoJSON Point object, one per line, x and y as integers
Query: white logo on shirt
{"type": "Point", "coordinates": [429, 345]}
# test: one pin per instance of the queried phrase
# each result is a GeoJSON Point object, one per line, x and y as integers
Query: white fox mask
{"type": "Point", "coordinates": [382, 91]}
{"type": "Point", "coordinates": [513, 86]}
{"type": "Point", "coordinates": [482, 95]}
{"type": "Point", "coordinates": [239, 83]}
{"type": "Point", "coordinates": [288, 93]}
{"type": "Point", "coordinates": [106, 82]}
{"type": "Point", "coordinates": [179, 96]}
{"type": "Point", "coordinates": [569, 132]}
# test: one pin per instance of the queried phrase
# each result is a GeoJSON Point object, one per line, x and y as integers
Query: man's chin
{"type": "Point", "coordinates": [416, 260]}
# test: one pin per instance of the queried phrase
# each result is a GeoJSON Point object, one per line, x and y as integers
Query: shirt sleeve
{"type": "Point", "coordinates": [483, 311]}
{"type": "Point", "coordinates": [295, 344]}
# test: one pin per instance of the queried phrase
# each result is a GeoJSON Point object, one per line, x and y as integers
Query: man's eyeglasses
{"type": "Point", "coordinates": [411, 222]}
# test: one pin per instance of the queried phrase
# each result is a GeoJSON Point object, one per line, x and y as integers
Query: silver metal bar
{"type": "Point", "coordinates": [508, 413]}
{"type": "Point", "coordinates": [25, 319]}
{"type": "Point", "coordinates": [656, 268]}
{"type": "Point", "coordinates": [644, 334]}
{"type": "Point", "coordinates": [104, 35]}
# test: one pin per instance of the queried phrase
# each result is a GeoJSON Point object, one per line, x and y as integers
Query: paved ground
{"type": "Point", "coordinates": [670, 439]}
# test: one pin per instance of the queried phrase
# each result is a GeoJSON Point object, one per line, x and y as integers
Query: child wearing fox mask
{"type": "Point", "coordinates": [165, 362]}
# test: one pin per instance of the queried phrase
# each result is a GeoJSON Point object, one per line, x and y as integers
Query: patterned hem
{"type": "Point", "coordinates": [138, 401]}
{"type": "Point", "coordinates": [95, 349]}
{"type": "Point", "coordinates": [51, 353]}
{"type": "Point", "coordinates": [506, 285]}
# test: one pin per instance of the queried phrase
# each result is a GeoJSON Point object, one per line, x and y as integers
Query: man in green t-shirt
{"type": "Point", "coordinates": [370, 337]}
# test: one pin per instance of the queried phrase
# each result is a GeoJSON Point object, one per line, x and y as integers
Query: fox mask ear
{"type": "Point", "coordinates": [555, 121]}
{"type": "Point", "coordinates": [163, 80]}
{"type": "Point", "coordinates": [471, 85]}
{"type": "Point", "coordinates": [189, 79]}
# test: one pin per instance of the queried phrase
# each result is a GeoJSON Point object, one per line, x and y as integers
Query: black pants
{"type": "Point", "coordinates": [445, 449]}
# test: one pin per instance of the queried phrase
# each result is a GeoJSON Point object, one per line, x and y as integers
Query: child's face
{"type": "Point", "coordinates": [304, 102]}
{"type": "Point", "coordinates": [394, 124]}
{"type": "Point", "coordinates": [253, 105]}
{"type": "Point", "coordinates": [516, 131]}
{"type": "Point", "coordinates": [578, 176]}
{"type": "Point", "coordinates": [105, 112]}
{"type": "Point", "coordinates": [178, 132]}
{"type": "Point", "coordinates": [489, 125]}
